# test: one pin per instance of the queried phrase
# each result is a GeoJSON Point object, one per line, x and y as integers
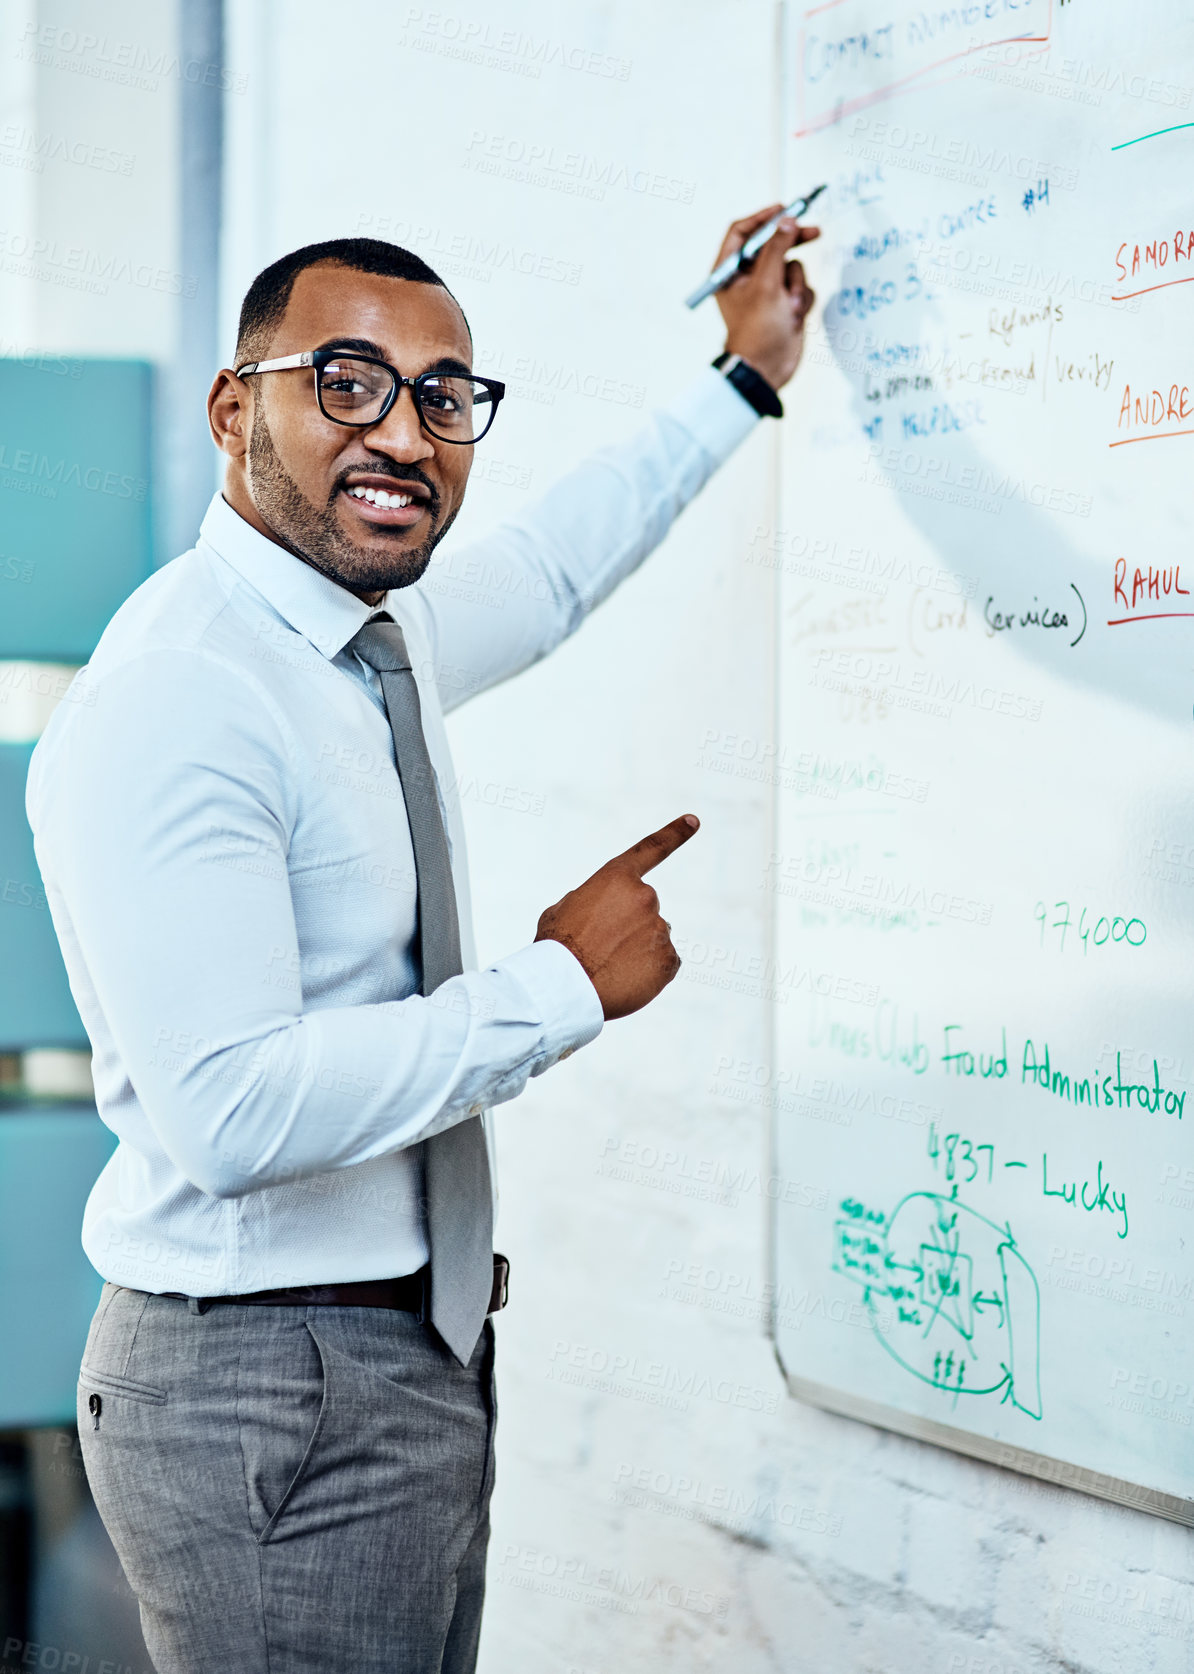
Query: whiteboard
{"type": "Point", "coordinates": [983, 865]}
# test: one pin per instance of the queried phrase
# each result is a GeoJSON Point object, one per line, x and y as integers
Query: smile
{"type": "Point", "coordinates": [384, 507]}
{"type": "Point", "coordinates": [379, 497]}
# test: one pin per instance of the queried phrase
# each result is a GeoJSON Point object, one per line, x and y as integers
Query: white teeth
{"type": "Point", "coordinates": [379, 497]}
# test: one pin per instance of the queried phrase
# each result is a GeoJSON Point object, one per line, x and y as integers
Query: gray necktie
{"type": "Point", "coordinates": [456, 1161]}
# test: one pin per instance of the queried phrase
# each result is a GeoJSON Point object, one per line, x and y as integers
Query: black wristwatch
{"type": "Point", "coordinates": [751, 385]}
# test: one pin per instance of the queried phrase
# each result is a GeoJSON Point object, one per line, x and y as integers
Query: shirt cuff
{"type": "Point", "coordinates": [562, 996]}
{"type": "Point", "coordinates": [714, 413]}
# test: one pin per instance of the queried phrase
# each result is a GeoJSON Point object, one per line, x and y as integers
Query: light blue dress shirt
{"type": "Point", "coordinates": [219, 826]}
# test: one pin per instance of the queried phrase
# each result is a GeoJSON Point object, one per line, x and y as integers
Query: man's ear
{"type": "Point", "coordinates": [230, 414]}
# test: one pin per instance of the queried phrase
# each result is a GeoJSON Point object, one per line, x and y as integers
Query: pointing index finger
{"type": "Point", "coordinates": [640, 857]}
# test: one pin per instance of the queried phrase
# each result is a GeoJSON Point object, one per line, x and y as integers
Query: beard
{"type": "Point", "coordinates": [315, 534]}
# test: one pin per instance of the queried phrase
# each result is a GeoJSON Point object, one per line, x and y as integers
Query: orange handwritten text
{"type": "Point", "coordinates": [1147, 414]}
{"type": "Point", "coordinates": [1154, 264]}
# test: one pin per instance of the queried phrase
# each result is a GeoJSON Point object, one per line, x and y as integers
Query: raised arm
{"type": "Point", "coordinates": [498, 604]}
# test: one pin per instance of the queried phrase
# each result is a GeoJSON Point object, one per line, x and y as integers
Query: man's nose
{"type": "Point", "coordinates": [399, 433]}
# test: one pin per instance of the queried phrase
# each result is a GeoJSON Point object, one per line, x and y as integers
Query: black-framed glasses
{"type": "Point", "coordinates": [360, 389]}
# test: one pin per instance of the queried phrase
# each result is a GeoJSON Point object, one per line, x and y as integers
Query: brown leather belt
{"type": "Point", "coordinates": [408, 1294]}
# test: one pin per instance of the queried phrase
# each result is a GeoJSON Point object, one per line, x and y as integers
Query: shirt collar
{"type": "Point", "coordinates": [315, 606]}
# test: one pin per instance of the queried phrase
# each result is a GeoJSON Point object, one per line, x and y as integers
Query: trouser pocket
{"type": "Point", "coordinates": [282, 1407]}
{"type": "Point", "coordinates": [105, 1380]}
{"type": "Point", "coordinates": [96, 1388]}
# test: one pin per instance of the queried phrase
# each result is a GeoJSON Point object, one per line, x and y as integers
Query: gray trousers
{"type": "Point", "coordinates": [291, 1490]}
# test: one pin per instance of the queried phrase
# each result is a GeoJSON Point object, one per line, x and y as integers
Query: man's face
{"type": "Point", "coordinates": [301, 467]}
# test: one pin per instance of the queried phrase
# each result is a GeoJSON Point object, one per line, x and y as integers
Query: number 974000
{"type": "Point", "coordinates": [1089, 931]}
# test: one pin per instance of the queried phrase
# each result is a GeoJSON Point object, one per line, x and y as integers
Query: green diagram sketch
{"type": "Point", "coordinates": [960, 1304]}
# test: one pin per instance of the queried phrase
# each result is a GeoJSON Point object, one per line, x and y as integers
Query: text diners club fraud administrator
{"type": "Point", "coordinates": [286, 1399]}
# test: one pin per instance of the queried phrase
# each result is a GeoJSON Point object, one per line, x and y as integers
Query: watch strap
{"type": "Point", "coordinates": [751, 385]}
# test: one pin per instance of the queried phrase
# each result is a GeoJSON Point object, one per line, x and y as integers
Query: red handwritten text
{"type": "Point", "coordinates": [1148, 585]}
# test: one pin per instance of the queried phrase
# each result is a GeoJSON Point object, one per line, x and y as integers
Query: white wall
{"type": "Point", "coordinates": [660, 1503]}
{"type": "Point", "coordinates": [88, 225]}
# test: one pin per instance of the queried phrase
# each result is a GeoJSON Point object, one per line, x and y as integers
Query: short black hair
{"type": "Point", "coordinates": [266, 298]}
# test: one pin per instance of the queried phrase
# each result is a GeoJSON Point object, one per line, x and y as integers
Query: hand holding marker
{"type": "Point", "coordinates": [733, 265]}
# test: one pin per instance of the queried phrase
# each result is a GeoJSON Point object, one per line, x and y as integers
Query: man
{"type": "Point", "coordinates": [245, 819]}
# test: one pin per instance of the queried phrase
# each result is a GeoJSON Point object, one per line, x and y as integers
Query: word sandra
{"type": "Point", "coordinates": [1154, 255]}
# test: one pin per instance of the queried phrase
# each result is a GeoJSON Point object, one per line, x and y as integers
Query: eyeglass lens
{"type": "Point", "coordinates": [453, 408]}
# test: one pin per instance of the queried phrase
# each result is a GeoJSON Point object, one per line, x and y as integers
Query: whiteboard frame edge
{"type": "Point", "coordinates": [1059, 1474]}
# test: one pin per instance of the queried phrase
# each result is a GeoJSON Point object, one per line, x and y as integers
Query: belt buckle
{"type": "Point", "coordinates": [500, 1294]}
